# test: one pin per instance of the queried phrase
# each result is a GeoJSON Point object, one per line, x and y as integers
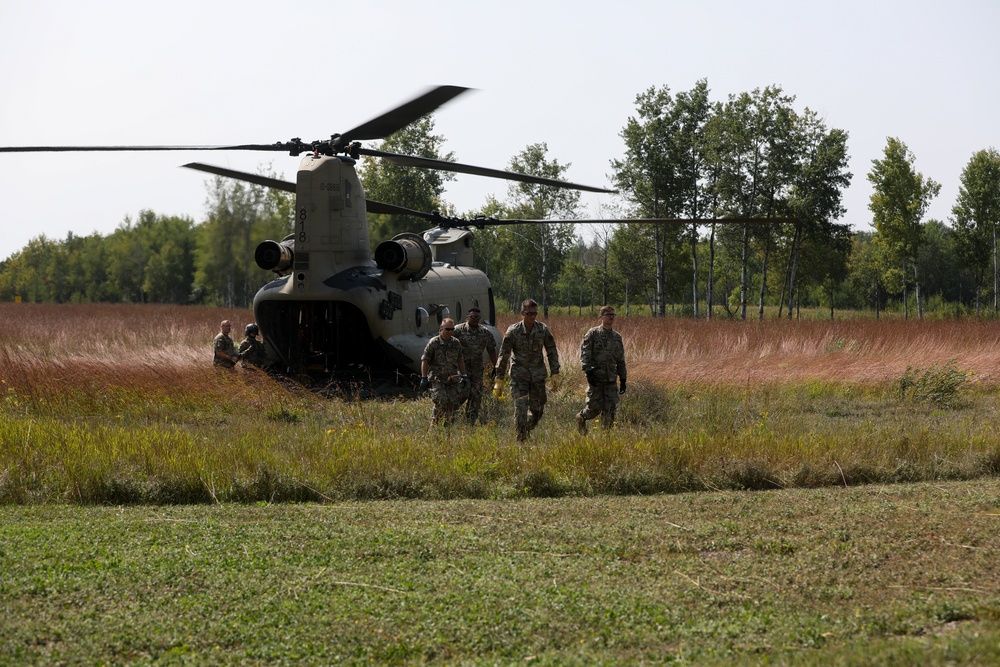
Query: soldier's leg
{"type": "Point", "coordinates": [536, 403]}
{"type": "Point", "coordinates": [610, 408]}
{"type": "Point", "coordinates": [475, 398]}
{"type": "Point", "coordinates": [591, 409]}
{"type": "Point", "coordinates": [519, 392]}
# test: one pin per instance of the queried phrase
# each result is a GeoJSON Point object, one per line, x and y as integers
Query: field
{"type": "Point", "coordinates": [793, 492]}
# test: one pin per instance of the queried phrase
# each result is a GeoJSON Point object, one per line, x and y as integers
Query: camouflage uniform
{"type": "Point", "coordinates": [224, 344]}
{"type": "Point", "coordinates": [252, 352]}
{"type": "Point", "coordinates": [474, 342]}
{"type": "Point", "coordinates": [602, 356]}
{"type": "Point", "coordinates": [446, 390]}
{"type": "Point", "coordinates": [522, 349]}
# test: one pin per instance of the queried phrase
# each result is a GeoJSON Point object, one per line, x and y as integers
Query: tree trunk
{"type": "Point", "coordinates": [694, 267]}
{"type": "Point", "coordinates": [744, 272]}
{"type": "Point", "coordinates": [710, 287]}
{"type": "Point", "coordinates": [996, 273]}
{"type": "Point", "coordinates": [763, 278]}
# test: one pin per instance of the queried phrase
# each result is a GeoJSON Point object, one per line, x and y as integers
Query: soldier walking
{"type": "Point", "coordinates": [475, 339]}
{"type": "Point", "coordinates": [225, 355]}
{"type": "Point", "coordinates": [442, 368]}
{"type": "Point", "coordinates": [522, 348]}
{"type": "Point", "coordinates": [602, 356]}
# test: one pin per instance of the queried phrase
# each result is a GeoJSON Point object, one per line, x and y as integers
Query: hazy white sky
{"type": "Point", "coordinates": [222, 72]}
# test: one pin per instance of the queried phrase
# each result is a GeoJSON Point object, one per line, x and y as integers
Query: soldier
{"type": "Point", "coordinates": [442, 368]}
{"type": "Point", "coordinates": [475, 339]}
{"type": "Point", "coordinates": [522, 348]}
{"type": "Point", "coordinates": [602, 355]}
{"type": "Point", "coordinates": [252, 352]}
{"type": "Point", "coordinates": [226, 355]}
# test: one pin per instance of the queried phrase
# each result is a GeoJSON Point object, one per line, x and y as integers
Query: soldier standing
{"type": "Point", "coordinates": [602, 355]}
{"type": "Point", "coordinates": [442, 368]}
{"type": "Point", "coordinates": [475, 339]}
{"type": "Point", "coordinates": [522, 349]}
{"type": "Point", "coordinates": [252, 352]}
{"type": "Point", "coordinates": [225, 355]}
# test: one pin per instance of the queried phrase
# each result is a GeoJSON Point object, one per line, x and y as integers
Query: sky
{"type": "Point", "coordinates": [107, 72]}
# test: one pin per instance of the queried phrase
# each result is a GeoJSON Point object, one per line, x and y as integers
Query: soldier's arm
{"type": "Point", "coordinates": [504, 359]}
{"type": "Point", "coordinates": [586, 351]}
{"type": "Point", "coordinates": [551, 352]}
{"type": "Point", "coordinates": [622, 373]}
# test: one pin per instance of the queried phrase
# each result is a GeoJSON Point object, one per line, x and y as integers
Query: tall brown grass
{"type": "Point", "coordinates": [172, 346]}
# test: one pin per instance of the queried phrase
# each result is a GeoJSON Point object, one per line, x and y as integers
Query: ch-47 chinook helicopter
{"type": "Point", "coordinates": [335, 312]}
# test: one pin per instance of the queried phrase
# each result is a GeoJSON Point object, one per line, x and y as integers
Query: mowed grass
{"type": "Point", "coordinates": [877, 574]}
{"type": "Point", "coordinates": [785, 492]}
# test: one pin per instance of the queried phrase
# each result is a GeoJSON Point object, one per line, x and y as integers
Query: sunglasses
{"type": "Point", "coordinates": [533, 313]}
{"type": "Point", "coordinates": [448, 328]}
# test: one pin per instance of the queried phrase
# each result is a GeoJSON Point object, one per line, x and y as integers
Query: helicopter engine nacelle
{"type": "Point", "coordinates": [407, 254]}
{"type": "Point", "coordinates": [274, 256]}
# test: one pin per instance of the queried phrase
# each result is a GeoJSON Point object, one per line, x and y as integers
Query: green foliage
{"type": "Point", "coordinates": [939, 385]}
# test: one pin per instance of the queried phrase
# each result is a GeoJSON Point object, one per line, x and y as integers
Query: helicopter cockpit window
{"type": "Point", "coordinates": [420, 317]}
{"type": "Point", "coordinates": [443, 313]}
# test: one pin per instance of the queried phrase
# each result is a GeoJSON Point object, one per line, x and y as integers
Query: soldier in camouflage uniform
{"type": "Point", "coordinates": [602, 356]}
{"type": "Point", "coordinates": [252, 352]}
{"type": "Point", "coordinates": [522, 348]}
{"type": "Point", "coordinates": [225, 355]}
{"type": "Point", "coordinates": [442, 368]}
{"type": "Point", "coordinates": [475, 339]}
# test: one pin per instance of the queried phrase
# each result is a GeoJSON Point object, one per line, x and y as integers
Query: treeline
{"type": "Point", "coordinates": [156, 258]}
{"type": "Point", "coordinates": [753, 155]}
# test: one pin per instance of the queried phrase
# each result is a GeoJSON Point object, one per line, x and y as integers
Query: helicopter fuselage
{"type": "Point", "coordinates": [337, 312]}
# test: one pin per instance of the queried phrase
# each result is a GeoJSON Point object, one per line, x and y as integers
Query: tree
{"type": "Point", "coordinates": [977, 216]}
{"type": "Point", "coordinates": [755, 147]}
{"type": "Point", "coordinates": [417, 189]}
{"type": "Point", "coordinates": [659, 171]}
{"type": "Point", "coordinates": [240, 216]}
{"type": "Point", "coordinates": [538, 250]}
{"type": "Point", "coordinates": [900, 199]}
{"type": "Point", "coordinates": [816, 196]}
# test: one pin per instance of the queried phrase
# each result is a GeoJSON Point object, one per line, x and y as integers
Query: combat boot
{"type": "Point", "coordinates": [581, 424]}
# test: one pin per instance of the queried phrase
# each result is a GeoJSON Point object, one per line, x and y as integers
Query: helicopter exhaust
{"type": "Point", "coordinates": [407, 254]}
{"type": "Point", "coordinates": [274, 256]}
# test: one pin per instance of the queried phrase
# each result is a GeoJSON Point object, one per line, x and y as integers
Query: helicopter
{"type": "Point", "coordinates": [336, 313]}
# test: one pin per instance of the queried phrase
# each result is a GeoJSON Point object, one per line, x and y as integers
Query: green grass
{"type": "Point", "coordinates": [899, 574]}
{"type": "Point", "coordinates": [147, 445]}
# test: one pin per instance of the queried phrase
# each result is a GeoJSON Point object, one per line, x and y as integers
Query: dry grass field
{"type": "Point", "coordinates": [123, 339]}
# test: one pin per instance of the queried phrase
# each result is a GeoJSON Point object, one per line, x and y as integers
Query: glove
{"type": "Point", "coordinates": [424, 383]}
{"type": "Point", "coordinates": [498, 387]}
{"type": "Point", "coordinates": [555, 383]}
{"type": "Point", "coordinates": [463, 382]}
{"type": "Point", "coordinates": [591, 377]}
{"type": "Point", "coordinates": [621, 386]}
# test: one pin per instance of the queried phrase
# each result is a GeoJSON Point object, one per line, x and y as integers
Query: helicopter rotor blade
{"type": "Point", "coordinates": [458, 167]}
{"type": "Point", "coordinates": [484, 222]}
{"type": "Point", "coordinates": [398, 118]}
{"type": "Point", "coordinates": [256, 179]}
{"type": "Point", "coordinates": [112, 149]}
{"type": "Point", "coordinates": [381, 208]}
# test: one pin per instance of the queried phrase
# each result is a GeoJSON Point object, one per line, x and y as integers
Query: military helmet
{"type": "Point", "coordinates": [251, 330]}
